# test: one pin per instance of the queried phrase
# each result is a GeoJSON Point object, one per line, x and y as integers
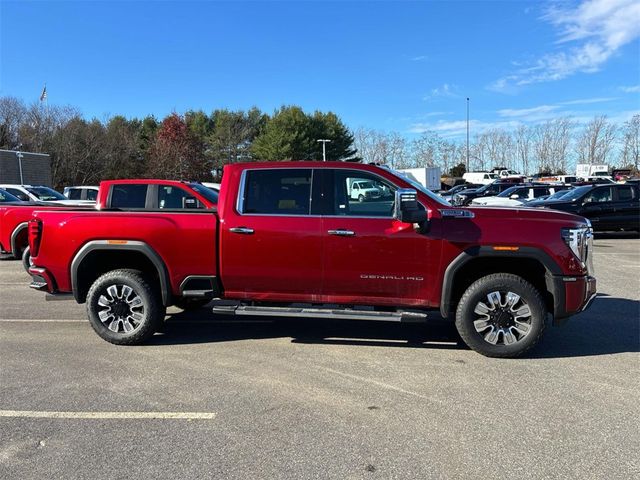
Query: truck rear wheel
{"type": "Point", "coordinates": [124, 308]}
{"type": "Point", "coordinates": [501, 315]}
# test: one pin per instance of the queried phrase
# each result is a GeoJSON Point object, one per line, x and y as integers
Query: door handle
{"type": "Point", "coordinates": [241, 230]}
{"type": "Point", "coordinates": [342, 233]}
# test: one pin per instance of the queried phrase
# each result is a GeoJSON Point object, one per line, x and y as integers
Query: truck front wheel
{"type": "Point", "coordinates": [501, 315]}
{"type": "Point", "coordinates": [124, 308]}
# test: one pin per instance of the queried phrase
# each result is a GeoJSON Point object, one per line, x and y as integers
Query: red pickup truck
{"type": "Point", "coordinates": [288, 239]}
{"type": "Point", "coordinates": [112, 194]}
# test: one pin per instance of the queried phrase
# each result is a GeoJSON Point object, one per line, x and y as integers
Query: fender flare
{"type": "Point", "coordinates": [131, 245]}
{"type": "Point", "coordinates": [552, 273]}
{"type": "Point", "coordinates": [14, 238]}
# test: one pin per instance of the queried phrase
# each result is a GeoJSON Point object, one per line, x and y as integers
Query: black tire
{"type": "Point", "coordinates": [26, 259]}
{"type": "Point", "coordinates": [189, 304]}
{"type": "Point", "coordinates": [120, 307]}
{"type": "Point", "coordinates": [361, 198]}
{"type": "Point", "coordinates": [478, 328]}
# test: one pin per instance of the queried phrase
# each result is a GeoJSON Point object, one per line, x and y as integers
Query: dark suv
{"type": "Point", "coordinates": [608, 207]}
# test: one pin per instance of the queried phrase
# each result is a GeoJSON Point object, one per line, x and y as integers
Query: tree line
{"type": "Point", "coordinates": [554, 147]}
{"type": "Point", "coordinates": [195, 145]}
{"type": "Point", "coordinates": [192, 146]}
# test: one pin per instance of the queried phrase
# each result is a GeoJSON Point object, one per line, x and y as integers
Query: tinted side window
{"type": "Point", "coordinates": [92, 195]}
{"type": "Point", "coordinates": [277, 192]}
{"type": "Point", "coordinates": [625, 193]}
{"type": "Point", "coordinates": [171, 197]}
{"type": "Point", "coordinates": [17, 193]}
{"type": "Point", "coordinates": [373, 197]}
{"type": "Point", "coordinates": [599, 195]}
{"type": "Point", "coordinates": [128, 196]}
{"type": "Point", "coordinates": [75, 194]}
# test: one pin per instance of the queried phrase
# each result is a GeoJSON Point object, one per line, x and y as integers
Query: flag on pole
{"type": "Point", "coordinates": [43, 95]}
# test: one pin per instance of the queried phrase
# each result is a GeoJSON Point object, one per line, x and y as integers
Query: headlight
{"type": "Point", "coordinates": [580, 241]}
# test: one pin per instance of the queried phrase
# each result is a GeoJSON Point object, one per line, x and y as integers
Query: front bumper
{"type": "Point", "coordinates": [573, 295]}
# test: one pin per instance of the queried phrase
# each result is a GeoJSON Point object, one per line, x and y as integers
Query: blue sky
{"type": "Point", "coordinates": [393, 66]}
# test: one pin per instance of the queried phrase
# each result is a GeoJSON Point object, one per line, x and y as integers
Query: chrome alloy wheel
{"type": "Point", "coordinates": [504, 319]}
{"type": "Point", "coordinates": [121, 310]}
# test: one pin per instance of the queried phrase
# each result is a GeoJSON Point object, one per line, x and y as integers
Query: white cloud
{"type": "Point", "coordinates": [527, 112]}
{"type": "Point", "coordinates": [419, 58]}
{"type": "Point", "coordinates": [631, 89]}
{"type": "Point", "coordinates": [458, 128]}
{"type": "Point", "coordinates": [445, 91]}
{"type": "Point", "coordinates": [590, 33]}
{"type": "Point", "coordinates": [586, 101]}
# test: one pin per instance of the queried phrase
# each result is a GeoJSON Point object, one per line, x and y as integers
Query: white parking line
{"type": "Point", "coordinates": [110, 415]}
{"type": "Point", "coordinates": [380, 384]}
{"type": "Point", "coordinates": [41, 320]}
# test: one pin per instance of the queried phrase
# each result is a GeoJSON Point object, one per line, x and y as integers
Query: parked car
{"type": "Point", "coordinates": [287, 240]}
{"type": "Point", "coordinates": [39, 193]}
{"type": "Point", "coordinates": [448, 194]}
{"type": "Point", "coordinates": [608, 207]}
{"type": "Point", "coordinates": [81, 193]}
{"type": "Point", "coordinates": [482, 178]}
{"type": "Point", "coordinates": [518, 196]}
{"type": "Point", "coordinates": [465, 196]}
{"type": "Point", "coordinates": [6, 197]}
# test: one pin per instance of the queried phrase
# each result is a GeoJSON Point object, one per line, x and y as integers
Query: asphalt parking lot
{"type": "Point", "coordinates": [317, 399]}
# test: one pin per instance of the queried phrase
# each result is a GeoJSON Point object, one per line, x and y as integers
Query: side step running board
{"type": "Point", "coordinates": [327, 313]}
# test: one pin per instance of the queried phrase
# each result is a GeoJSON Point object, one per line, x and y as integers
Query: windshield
{"type": "Point", "coordinates": [508, 192]}
{"type": "Point", "coordinates": [7, 197]}
{"type": "Point", "coordinates": [577, 193]}
{"type": "Point", "coordinates": [558, 194]}
{"type": "Point", "coordinates": [421, 188]}
{"type": "Point", "coordinates": [46, 194]}
{"type": "Point", "coordinates": [365, 185]}
{"type": "Point", "coordinates": [206, 192]}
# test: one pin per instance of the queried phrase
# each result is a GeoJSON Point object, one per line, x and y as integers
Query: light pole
{"type": "Point", "coordinates": [324, 148]}
{"type": "Point", "coordinates": [20, 155]}
{"type": "Point", "coordinates": [467, 134]}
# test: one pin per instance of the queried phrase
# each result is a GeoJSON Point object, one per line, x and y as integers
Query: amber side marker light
{"type": "Point", "coordinates": [117, 242]}
{"type": "Point", "coordinates": [506, 248]}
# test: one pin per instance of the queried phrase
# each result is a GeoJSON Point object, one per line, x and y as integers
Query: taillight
{"type": "Point", "coordinates": [35, 235]}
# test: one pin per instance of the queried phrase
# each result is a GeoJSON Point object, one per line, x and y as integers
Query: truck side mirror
{"type": "Point", "coordinates": [406, 207]}
{"type": "Point", "coordinates": [189, 202]}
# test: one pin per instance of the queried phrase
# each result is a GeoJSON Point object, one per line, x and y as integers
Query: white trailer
{"type": "Point", "coordinates": [586, 170]}
{"type": "Point", "coordinates": [429, 177]}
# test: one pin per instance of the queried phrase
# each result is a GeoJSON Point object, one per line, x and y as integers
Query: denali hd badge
{"type": "Point", "coordinates": [390, 277]}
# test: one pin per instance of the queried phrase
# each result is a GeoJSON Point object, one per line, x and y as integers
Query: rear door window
{"type": "Point", "coordinates": [172, 197]}
{"type": "Point", "coordinates": [599, 195]}
{"type": "Point", "coordinates": [92, 195]}
{"type": "Point", "coordinates": [128, 196]}
{"type": "Point", "coordinates": [75, 194]}
{"type": "Point", "coordinates": [276, 192]}
{"type": "Point", "coordinates": [625, 193]}
{"type": "Point", "coordinates": [18, 193]}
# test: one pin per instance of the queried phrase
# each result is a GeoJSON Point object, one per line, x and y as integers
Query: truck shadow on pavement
{"type": "Point", "coordinates": [611, 325]}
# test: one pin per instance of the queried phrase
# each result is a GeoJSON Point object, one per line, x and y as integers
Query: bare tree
{"type": "Point", "coordinates": [551, 142]}
{"type": "Point", "coordinates": [523, 142]}
{"type": "Point", "coordinates": [596, 141]}
{"type": "Point", "coordinates": [630, 153]}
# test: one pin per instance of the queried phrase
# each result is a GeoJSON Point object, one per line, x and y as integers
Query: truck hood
{"type": "Point", "coordinates": [525, 213]}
